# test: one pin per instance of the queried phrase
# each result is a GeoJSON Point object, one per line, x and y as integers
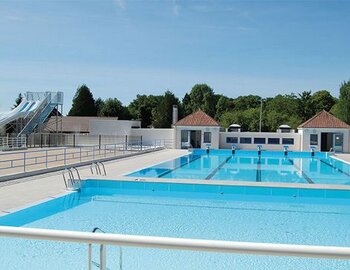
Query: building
{"type": "Point", "coordinates": [324, 132]}
{"type": "Point", "coordinates": [197, 130]}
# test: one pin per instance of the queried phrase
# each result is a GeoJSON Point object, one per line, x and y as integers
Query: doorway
{"type": "Point", "coordinates": [195, 138]}
{"type": "Point", "coordinates": [190, 138]}
{"type": "Point", "coordinates": [326, 141]}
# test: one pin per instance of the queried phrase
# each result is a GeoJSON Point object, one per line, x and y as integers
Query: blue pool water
{"type": "Point", "coordinates": [237, 213]}
{"type": "Point", "coordinates": [297, 167]}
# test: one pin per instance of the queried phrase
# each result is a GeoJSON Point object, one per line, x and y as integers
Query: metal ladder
{"type": "Point", "coordinates": [69, 179]}
{"type": "Point", "coordinates": [102, 265]}
{"type": "Point", "coordinates": [97, 166]}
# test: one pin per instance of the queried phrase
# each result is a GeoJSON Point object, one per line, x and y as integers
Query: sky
{"type": "Point", "coordinates": [121, 48]}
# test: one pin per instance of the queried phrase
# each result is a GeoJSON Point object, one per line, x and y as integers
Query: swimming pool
{"type": "Point", "coordinates": [221, 212]}
{"type": "Point", "coordinates": [271, 166]}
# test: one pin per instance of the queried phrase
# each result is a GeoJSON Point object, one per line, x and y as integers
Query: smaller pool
{"type": "Point", "coordinates": [270, 166]}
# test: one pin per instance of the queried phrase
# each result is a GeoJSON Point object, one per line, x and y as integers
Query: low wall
{"type": "Point", "coordinates": [273, 140]}
{"type": "Point", "coordinates": [165, 135]}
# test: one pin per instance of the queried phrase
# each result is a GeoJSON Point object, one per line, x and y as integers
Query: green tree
{"type": "Point", "coordinates": [17, 101]}
{"type": "Point", "coordinates": [342, 109]}
{"type": "Point", "coordinates": [223, 105]}
{"type": "Point", "coordinates": [162, 114]}
{"type": "Point", "coordinates": [246, 102]}
{"type": "Point", "coordinates": [99, 103]}
{"type": "Point", "coordinates": [141, 108]}
{"type": "Point", "coordinates": [83, 103]}
{"type": "Point", "coordinates": [306, 106]}
{"type": "Point", "coordinates": [323, 100]}
{"type": "Point", "coordinates": [201, 97]}
{"type": "Point", "coordinates": [113, 107]}
{"type": "Point", "coordinates": [186, 104]}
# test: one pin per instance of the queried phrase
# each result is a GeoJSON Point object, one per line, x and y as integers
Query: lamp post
{"type": "Point", "coordinates": [261, 106]}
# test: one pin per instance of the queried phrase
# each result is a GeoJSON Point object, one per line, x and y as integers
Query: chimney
{"type": "Point", "coordinates": [175, 114]}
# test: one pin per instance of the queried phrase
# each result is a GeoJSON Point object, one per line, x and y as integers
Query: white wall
{"type": "Point", "coordinates": [266, 135]}
{"type": "Point", "coordinates": [214, 135]}
{"type": "Point", "coordinates": [165, 135]}
{"type": "Point", "coordinates": [112, 127]}
{"type": "Point", "coordinates": [305, 134]}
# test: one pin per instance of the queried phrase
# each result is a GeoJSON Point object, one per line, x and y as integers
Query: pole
{"type": "Point", "coordinates": [261, 107]}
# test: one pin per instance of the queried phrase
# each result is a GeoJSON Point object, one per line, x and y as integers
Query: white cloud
{"type": "Point", "coordinates": [120, 3]}
{"type": "Point", "coordinates": [15, 18]}
{"type": "Point", "coordinates": [176, 8]}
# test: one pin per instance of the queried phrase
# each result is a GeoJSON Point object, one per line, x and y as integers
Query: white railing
{"type": "Point", "coordinates": [24, 161]}
{"type": "Point", "coordinates": [102, 239]}
{"type": "Point", "coordinates": [8, 143]}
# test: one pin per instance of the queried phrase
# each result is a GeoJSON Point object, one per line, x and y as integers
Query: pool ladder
{"type": "Point", "coordinates": [103, 264]}
{"type": "Point", "coordinates": [97, 167]}
{"type": "Point", "coordinates": [70, 181]}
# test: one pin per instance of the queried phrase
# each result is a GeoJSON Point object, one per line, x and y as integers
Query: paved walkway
{"type": "Point", "coordinates": [22, 192]}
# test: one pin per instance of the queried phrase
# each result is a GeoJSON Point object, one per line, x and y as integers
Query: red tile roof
{"type": "Point", "coordinates": [198, 118]}
{"type": "Point", "coordinates": [324, 119]}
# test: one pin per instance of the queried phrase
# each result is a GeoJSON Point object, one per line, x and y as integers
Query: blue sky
{"type": "Point", "coordinates": [121, 48]}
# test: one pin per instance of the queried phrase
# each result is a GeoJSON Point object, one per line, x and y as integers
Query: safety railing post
{"type": "Point", "coordinates": [105, 150]}
{"type": "Point", "coordinates": [141, 143]}
{"type": "Point", "coordinates": [24, 161]}
{"type": "Point", "coordinates": [46, 159]}
{"type": "Point", "coordinates": [93, 153]}
{"type": "Point", "coordinates": [90, 257]}
{"type": "Point", "coordinates": [103, 257]}
{"type": "Point", "coordinates": [80, 154]}
{"type": "Point", "coordinates": [65, 156]}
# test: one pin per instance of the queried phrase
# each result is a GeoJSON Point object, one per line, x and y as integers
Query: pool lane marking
{"type": "Point", "coordinates": [332, 166]}
{"type": "Point", "coordinates": [302, 172]}
{"type": "Point", "coordinates": [178, 167]}
{"type": "Point", "coordinates": [210, 176]}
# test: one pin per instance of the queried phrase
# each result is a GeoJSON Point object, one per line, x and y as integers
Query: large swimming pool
{"type": "Point", "coordinates": [220, 212]}
{"type": "Point", "coordinates": [271, 166]}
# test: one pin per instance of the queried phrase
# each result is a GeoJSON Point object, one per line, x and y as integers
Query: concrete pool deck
{"type": "Point", "coordinates": [23, 192]}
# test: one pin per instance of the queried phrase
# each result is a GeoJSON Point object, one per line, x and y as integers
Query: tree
{"type": "Point", "coordinates": [83, 103]}
{"type": "Point", "coordinates": [245, 102]}
{"type": "Point", "coordinates": [223, 105]}
{"type": "Point", "coordinates": [113, 107]}
{"type": "Point", "coordinates": [163, 113]}
{"type": "Point", "coordinates": [17, 101]}
{"type": "Point", "coordinates": [306, 106]}
{"type": "Point", "coordinates": [342, 109]}
{"type": "Point", "coordinates": [141, 108]}
{"type": "Point", "coordinates": [201, 97]}
{"type": "Point", "coordinates": [323, 100]}
{"type": "Point", "coordinates": [99, 103]}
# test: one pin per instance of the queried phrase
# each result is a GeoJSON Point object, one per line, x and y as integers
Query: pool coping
{"type": "Point", "coordinates": [220, 182]}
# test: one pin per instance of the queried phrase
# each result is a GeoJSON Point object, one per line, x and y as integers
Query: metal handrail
{"type": "Point", "coordinates": [331, 252]}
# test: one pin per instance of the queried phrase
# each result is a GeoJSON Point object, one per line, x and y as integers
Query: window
{"type": "Point", "coordinates": [273, 140]}
{"type": "Point", "coordinates": [231, 140]}
{"type": "Point", "coordinates": [207, 137]}
{"type": "Point", "coordinates": [287, 141]}
{"type": "Point", "coordinates": [313, 139]}
{"type": "Point", "coordinates": [259, 140]}
{"type": "Point", "coordinates": [245, 140]}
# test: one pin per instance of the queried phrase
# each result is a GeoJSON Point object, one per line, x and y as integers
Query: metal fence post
{"type": "Point", "coordinates": [141, 143]}
{"type": "Point", "coordinates": [102, 257]}
{"type": "Point", "coordinates": [65, 156]}
{"type": "Point", "coordinates": [126, 142]}
{"type": "Point", "coordinates": [46, 159]}
{"type": "Point", "coordinates": [24, 161]}
{"type": "Point", "coordinates": [80, 153]}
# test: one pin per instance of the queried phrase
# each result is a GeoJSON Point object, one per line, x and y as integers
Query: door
{"type": "Point", "coordinates": [326, 141]}
{"type": "Point", "coordinates": [338, 142]}
{"type": "Point", "coordinates": [195, 138]}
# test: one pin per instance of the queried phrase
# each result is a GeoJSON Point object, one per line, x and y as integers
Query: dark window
{"type": "Point", "coordinates": [245, 140]}
{"type": "Point", "coordinates": [259, 140]}
{"type": "Point", "coordinates": [287, 141]}
{"type": "Point", "coordinates": [231, 140]}
{"type": "Point", "coordinates": [207, 137]}
{"type": "Point", "coordinates": [313, 139]}
{"type": "Point", "coordinates": [273, 140]}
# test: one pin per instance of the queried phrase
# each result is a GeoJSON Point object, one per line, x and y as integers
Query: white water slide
{"type": "Point", "coordinates": [34, 109]}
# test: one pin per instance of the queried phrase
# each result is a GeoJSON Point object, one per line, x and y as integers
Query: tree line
{"type": "Point", "coordinates": [156, 110]}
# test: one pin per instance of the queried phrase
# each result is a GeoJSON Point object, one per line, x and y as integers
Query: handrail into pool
{"type": "Point", "coordinates": [332, 252]}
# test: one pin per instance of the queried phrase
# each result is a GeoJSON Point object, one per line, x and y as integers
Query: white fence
{"type": "Point", "coordinates": [12, 143]}
{"type": "Point", "coordinates": [102, 239]}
